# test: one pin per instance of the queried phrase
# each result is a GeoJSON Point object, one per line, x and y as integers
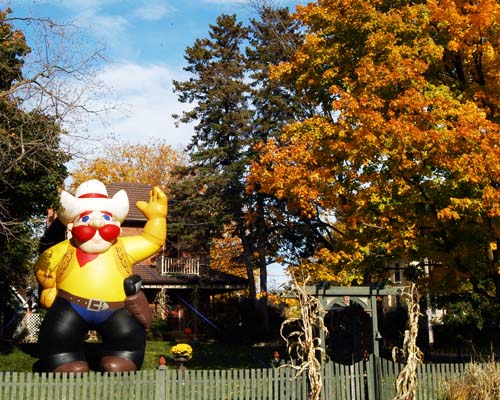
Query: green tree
{"type": "Point", "coordinates": [218, 148]}
{"type": "Point", "coordinates": [31, 167]}
{"type": "Point", "coordinates": [237, 106]}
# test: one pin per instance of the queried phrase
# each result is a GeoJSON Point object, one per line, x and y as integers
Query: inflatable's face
{"type": "Point", "coordinates": [95, 231]}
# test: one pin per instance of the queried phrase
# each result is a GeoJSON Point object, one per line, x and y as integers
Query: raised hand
{"type": "Point", "coordinates": [157, 206]}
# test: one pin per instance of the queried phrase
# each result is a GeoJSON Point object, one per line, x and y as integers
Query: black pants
{"type": "Point", "coordinates": [63, 330]}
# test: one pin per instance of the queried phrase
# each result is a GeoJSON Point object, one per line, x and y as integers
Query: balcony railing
{"type": "Point", "coordinates": [178, 266]}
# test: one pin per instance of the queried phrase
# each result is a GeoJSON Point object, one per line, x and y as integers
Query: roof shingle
{"type": "Point", "coordinates": [135, 192]}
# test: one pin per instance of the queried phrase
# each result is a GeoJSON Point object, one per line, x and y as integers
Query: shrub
{"type": "Point", "coordinates": [159, 330]}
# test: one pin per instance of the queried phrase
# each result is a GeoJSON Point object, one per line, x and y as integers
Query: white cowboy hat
{"type": "Point", "coordinates": [92, 196]}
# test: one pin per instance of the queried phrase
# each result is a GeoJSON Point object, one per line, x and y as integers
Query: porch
{"type": "Point", "coordinates": [180, 266]}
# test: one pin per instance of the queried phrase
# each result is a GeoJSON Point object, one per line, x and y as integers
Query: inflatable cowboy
{"type": "Point", "coordinates": [87, 281]}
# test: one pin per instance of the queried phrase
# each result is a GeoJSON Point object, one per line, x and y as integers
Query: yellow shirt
{"type": "Point", "coordinates": [102, 277]}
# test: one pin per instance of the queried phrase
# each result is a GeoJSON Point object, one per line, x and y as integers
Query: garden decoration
{"type": "Point", "coordinates": [162, 362]}
{"type": "Point", "coordinates": [87, 281]}
{"type": "Point", "coordinates": [276, 360]}
{"type": "Point", "coordinates": [182, 353]}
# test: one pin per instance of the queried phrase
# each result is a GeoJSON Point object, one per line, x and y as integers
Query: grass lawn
{"type": "Point", "coordinates": [205, 355]}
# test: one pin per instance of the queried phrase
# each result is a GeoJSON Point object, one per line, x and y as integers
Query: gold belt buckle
{"type": "Point", "coordinates": [97, 305]}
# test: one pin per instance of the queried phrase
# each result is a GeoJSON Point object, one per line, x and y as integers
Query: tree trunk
{"type": "Point", "coordinates": [262, 252]}
{"type": "Point", "coordinates": [248, 263]}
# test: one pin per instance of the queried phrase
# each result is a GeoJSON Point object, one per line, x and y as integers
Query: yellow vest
{"type": "Point", "coordinates": [101, 278]}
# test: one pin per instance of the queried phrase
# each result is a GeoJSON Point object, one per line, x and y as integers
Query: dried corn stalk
{"type": "Point", "coordinates": [304, 341]}
{"type": "Point", "coordinates": [406, 382]}
{"type": "Point", "coordinates": [162, 307]}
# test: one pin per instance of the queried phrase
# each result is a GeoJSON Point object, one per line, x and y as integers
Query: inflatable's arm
{"type": "Point", "coordinates": [141, 247]}
{"type": "Point", "coordinates": [46, 270]}
{"type": "Point", "coordinates": [155, 211]}
{"type": "Point", "coordinates": [154, 233]}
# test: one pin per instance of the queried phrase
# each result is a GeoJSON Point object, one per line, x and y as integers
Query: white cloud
{"type": "Point", "coordinates": [84, 4]}
{"type": "Point", "coordinates": [107, 26]}
{"type": "Point", "coordinates": [146, 102]}
{"type": "Point", "coordinates": [112, 22]}
{"type": "Point", "coordinates": [152, 11]}
{"type": "Point", "coordinates": [145, 9]}
{"type": "Point", "coordinates": [110, 30]}
{"type": "Point", "coordinates": [226, 1]}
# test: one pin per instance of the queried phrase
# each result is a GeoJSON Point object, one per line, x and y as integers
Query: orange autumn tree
{"type": "Point", "coordinates": [402, 159]}
{"type": "Point", "coordinates": [226, 253]}
{"type": "Point", "coordinates": [152, 162]}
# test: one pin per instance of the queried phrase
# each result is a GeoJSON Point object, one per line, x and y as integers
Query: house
{"type": "Point", "coordinates": [180, 290]}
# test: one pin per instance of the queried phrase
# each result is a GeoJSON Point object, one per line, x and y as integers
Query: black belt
{"type": "Point", "coordinates": [91, 304]}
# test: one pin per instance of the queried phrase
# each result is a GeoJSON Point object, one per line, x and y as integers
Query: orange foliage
{"type": "Point", "coordinates": [150, 163]}
{"type": "Point", "coordinates": [404, 156]}
{"type": "Point", "coordinates": [225, 253]}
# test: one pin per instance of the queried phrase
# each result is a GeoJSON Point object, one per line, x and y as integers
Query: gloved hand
{"type": "Point", "coordinates": [47, 297]}
{"type": "Point", "coordinates": [157, 206]}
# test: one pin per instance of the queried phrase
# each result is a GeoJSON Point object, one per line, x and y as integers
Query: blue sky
{"type": "Point", "coordinates": [144, 42]}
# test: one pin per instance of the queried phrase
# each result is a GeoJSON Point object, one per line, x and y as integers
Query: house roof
{"type": "Point", "coordinates": [214, 280]}
{"type": "Point", "coordinates": [135, 192]}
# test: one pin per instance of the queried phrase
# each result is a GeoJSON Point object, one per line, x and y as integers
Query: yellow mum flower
{"type": "Point", "coordinates": [182, 350]}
